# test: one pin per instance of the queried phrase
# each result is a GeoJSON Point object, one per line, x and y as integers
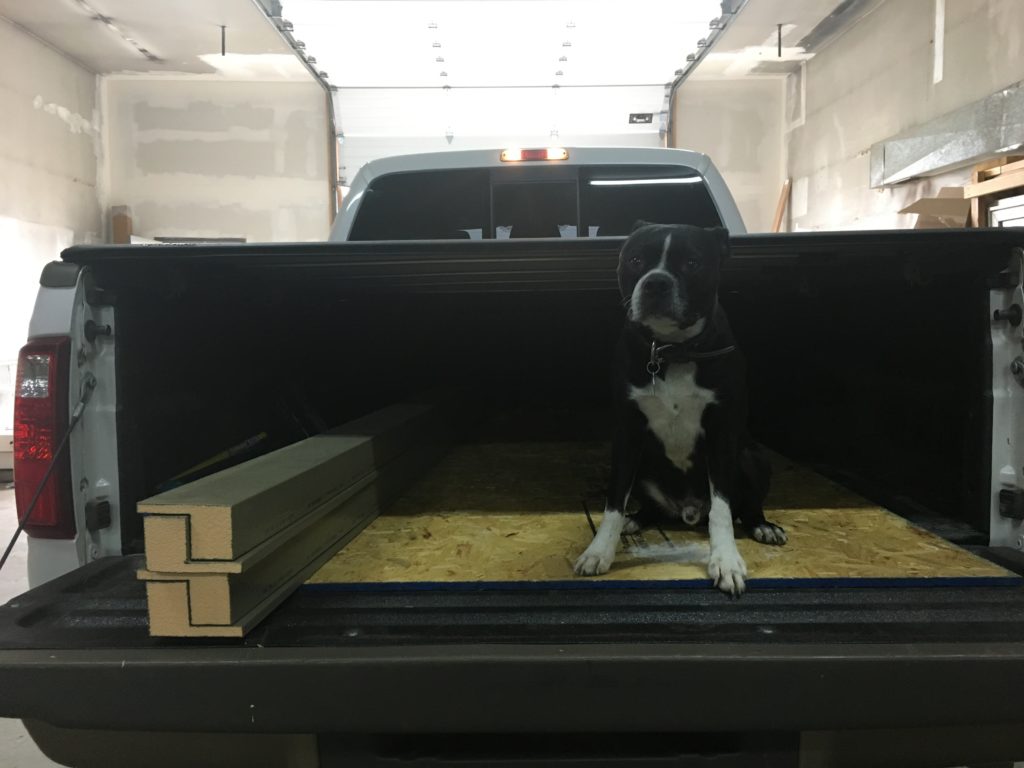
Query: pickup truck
{"type": "Point", "coordinates": [888, 361]}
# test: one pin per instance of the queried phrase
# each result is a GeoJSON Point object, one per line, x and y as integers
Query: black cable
{"type": "Point", "coordinates": [88, 386]}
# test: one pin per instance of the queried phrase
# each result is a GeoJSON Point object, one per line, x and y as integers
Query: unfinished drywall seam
{"type": "Point", "coordinates": [203, 159]}
{"type": "Point", "coordinates": [75, 122]}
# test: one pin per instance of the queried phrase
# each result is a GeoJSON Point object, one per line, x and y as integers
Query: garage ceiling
{"type": "Point", "coordinates": [429, 75]}
{"type": "Point", "coordinates": [179, 37]}
{"type": "Point", "coordinates": [499, 43]}
{"type": "Point", "coordinates": [750, 45]}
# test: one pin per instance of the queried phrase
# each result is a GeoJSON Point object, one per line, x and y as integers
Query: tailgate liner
{"type": "Point", "coordinates": [540, 662]}
{"type": "Point", "coordinates": [103, 606]}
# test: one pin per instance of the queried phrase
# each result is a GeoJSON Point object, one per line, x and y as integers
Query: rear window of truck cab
{"type": "Point", "coordinates": [530, 202]}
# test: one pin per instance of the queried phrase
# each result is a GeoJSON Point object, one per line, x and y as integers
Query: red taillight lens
{"type": "Point", "coordinates": [40, 418]}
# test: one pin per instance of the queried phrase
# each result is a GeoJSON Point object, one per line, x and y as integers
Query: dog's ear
{"type": "Point", "coordinates": [638, 224]}
{"type": "Point", "coordinates": [721, 238]}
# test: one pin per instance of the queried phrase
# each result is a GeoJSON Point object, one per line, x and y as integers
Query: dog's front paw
{"type": "Point", "coordinates": [727, 569]}
{"type": "Point", "coordinates": [769, 533]}
{"type": "Point", "coordinates": [597, 559]}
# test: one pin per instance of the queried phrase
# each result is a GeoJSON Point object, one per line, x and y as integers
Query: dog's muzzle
{"type": "Point", "coordinates": [655, 294]}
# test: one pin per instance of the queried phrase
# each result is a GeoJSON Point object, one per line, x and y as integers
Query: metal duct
{"type": "Point", "coordinates": [992, 126]}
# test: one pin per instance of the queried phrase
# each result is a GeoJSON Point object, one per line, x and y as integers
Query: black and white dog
{"type": "Point", "coordinates": [681, 445]}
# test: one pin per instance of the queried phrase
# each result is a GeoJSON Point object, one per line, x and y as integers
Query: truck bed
{"type": "Point", "coordinates": [534, 660]}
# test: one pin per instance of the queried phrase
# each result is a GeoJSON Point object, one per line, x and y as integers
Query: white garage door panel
{"type": "Point", "coordinates": [384, 122]}
{"type": "Point", "coordinates": [482, 111]}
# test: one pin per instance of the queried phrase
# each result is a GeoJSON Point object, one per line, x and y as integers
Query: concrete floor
{"type": "Point", "coordinates": [17, 750]}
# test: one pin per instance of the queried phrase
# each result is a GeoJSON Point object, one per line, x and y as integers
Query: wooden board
{"type": "Point", "coordinates": [780, 209]}
{"type": "Point", "coordinates": [1000, 183]}
{"type": "Point", "coordinates": [501, 513]}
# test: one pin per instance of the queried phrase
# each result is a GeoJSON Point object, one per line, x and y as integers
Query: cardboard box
{"type": "Point", "coordinates": [948, 210]}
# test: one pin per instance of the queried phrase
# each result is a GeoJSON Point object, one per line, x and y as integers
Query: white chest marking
{"type": "Point", "coordinates": [674, 408]}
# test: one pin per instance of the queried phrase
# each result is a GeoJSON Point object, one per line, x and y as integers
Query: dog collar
{"type": "Point", "coordinates": [680, 354]}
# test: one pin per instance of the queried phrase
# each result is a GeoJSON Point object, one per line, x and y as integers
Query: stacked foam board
{"type": "Point", "coordinates": [225, 550]}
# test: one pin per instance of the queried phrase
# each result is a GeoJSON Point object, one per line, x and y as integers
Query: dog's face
{"type": "Point", "coordinates": [668, 276]}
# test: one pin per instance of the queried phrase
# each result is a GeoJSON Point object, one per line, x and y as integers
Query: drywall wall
{"type": "Point", "coordinates": [208, 159]}
{"type": "Point", "coordinates": [49, 140]}
{"type": "Point", "coordinates": [875, 81]}
{"type": "Point", "coordinates": [738, 124]}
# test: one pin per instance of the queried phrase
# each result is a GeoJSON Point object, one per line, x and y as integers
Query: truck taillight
{"type": "Point", "coordinates": [40, 419]}
{"type": "Point", "coordinates": [515, 155]}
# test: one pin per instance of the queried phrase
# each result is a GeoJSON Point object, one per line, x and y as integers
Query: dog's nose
{"type": "Point", "coordinates": [657, 285]}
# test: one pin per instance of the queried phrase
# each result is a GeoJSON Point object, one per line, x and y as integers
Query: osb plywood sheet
{"type": "Point", "coordinates": [513, 513]}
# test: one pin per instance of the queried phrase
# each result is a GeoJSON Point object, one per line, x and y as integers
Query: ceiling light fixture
{"type": "Point", "coordinates": [439, 59]}
{"type": "Point", "coordinates": [444, 74]}
{"type": "Point", "coordinates": [563, 58]}
{"type": "Point", "coordinates": [559, 73]}
{"type": "Point", "coordinates": [435, 44]}
{"type": "Point", "coordinates": [432, 25]}
{"type": "Point", "coordinates": [567, 44]}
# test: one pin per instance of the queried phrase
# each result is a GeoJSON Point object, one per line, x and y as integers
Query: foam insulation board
{"type": "Point", "coordinates": [228, 514]}
{"type": "Point", "coordinates": [376, 458]}
{"type": "Point", "coordinates": [242, 599]}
